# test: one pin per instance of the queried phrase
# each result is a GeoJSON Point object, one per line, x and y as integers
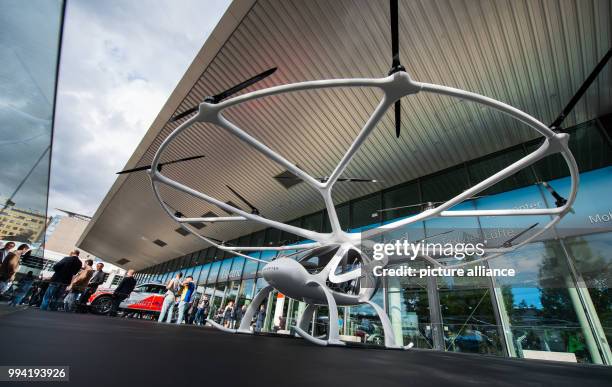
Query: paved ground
{"type": "Point", "coordinates": [102, 351]}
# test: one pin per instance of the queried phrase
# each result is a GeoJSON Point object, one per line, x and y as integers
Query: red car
{"type": "Point", "coordinates": [146, 298]}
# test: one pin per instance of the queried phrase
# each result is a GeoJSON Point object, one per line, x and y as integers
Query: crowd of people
{"type": "Point", "coordinates": [195, 309]}
{"type": "Point", "coordinates": [69, 288]}
{"type": "Point", "coordinates": [73, 283]}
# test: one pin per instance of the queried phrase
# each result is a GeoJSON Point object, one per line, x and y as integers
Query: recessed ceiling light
{"type": "Point", "coordinates": [160, 243]}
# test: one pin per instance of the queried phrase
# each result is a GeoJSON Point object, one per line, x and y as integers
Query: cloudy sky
{"type": "Point", "coordinates": [121, 59]}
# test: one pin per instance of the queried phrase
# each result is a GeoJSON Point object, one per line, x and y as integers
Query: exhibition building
{"type": "Point", "coordinates": [534, 56]}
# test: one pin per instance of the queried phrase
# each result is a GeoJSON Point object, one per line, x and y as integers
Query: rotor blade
{"type": "Point", "coordinates": [220, 242]}
{"type": "Point", "coordinates": [583, 88]}
{"type": "Point", "coordinates": [234, 89]}
{"type": "Point", "coordinates": [147, 167]}
{"type": "Point", "coordinates": [254, 209]}
{"type": "Point", "coordinates": [183, 159]}
{"type": "Point", "coordinates": [394, 34]}
{"type": "Point", "coordinates": [398, 118]}
{"type": "Point", "coordinates": [508, 243]}
{"type": "Point", "coordinates": [433, 236]}
{"type": "Point", "coordinates": [184, 114]}
{"type": "Point", "coordinates": [143, 168]}
{"type": "Point", "coordinates": [423, 204]}
{"type": "Point", "coordinates": [354, 180]}
{"type": "Point", "coordinates": [324, 179]}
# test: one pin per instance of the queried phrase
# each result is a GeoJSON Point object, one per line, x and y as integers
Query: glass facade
{"type": "Point", "coordinates": [559, 301]}
{"type": "Point", "coordinates": [30, 34]}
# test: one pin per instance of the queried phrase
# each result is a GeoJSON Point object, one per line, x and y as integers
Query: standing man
{"type": "Point", "coordinates": [96, 280]}
{"type": "Point", "coordinates": [172, 288]}
{"type": "Point", "coordinates": [64, 270]}
{"type": "Point", "coordinates": [202, 311]}
{"type": "Point", "coordinates": [5, 250]}
{"type": "Point", "coordinates": [239, 313]}
{"type": "Point", "coordinates": [9, 267]}
{"type": "Point", "coordinates": [260, 318]}
{"type": "Point", "coordinates": [186, 294]}
{"type": "Point", "coordinates": [123, 290]}
{"type": "Point", "coordinates": [77, 285]}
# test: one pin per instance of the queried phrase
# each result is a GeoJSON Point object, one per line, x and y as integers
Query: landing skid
{"type": "Point", "coordinates": [304, 321]}
{"type": "Point", "coordinates": [245, 323]}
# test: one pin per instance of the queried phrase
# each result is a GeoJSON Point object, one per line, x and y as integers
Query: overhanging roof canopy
{"type": "Point", "coordinates": [532, 55]}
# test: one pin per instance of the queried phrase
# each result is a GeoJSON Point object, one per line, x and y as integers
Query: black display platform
{"type": "Point", "coordinates": [113, 352]}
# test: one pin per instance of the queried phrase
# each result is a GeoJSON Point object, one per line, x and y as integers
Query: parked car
{"type": "Point", "coordinates": [146, 298]}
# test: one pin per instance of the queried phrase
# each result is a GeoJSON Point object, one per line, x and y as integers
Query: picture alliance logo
{"type": "Point", "coordinates": [412, 250]}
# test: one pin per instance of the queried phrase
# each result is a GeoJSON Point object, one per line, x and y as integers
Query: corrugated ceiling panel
{"type": "Point", "coordinates": [530, 54]}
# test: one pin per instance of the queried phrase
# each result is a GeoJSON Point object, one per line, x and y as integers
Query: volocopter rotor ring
{"type": "Point", "coordinates": [393, 87]}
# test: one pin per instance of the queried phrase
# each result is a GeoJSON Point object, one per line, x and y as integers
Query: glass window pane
{"type": "Point", "coordinates": [314, 222]}
{"type": "Point", "coordinates": [214, 270]}
{"type": "Point", "coordinates": [364, 208]}
{"type": "Point", "coordinates": [29, 42]}
{"type": "Point", "coordinates": [592, 255]}
{"type": "Point", "coordinates": [204, 273]}
{"type": "Point", "coordinates": [237, 266]}
{"type": "Point", "coordinates": [273, 237]}
{"type": "Point", "coordinates": [590, 149]}
{"type": "Point", "coordinates": [541, 302]}
{"type": "Point", "coordinates": [484, 168]}
{"type": "Point", "coordinates": [344, 216]}
{"type": "Point", "coordinates": [250, 267]}
{"type": "Point", "coordinates": [405, 195]}
{"type": "Point", "coordinates": [445, 185]}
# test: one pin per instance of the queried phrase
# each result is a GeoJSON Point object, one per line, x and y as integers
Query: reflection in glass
{"type": "Point", "coordinates": [544, 312]}
{"type": "Point", "coordinates": [29, 50]}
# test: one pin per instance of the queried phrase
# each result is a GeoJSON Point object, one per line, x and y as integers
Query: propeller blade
{"type": "Point", "coordinates": [184, 114]}
{"type": "Point", "coordinates": [394, 35]}
{"type": "Point", "coordinates": [143, 168]}
{"type": "Point", "coordinates": [355, 180]}
{"type": "Point", "coordinates": [183, 159]}
{"type": "Point", "coordinates": [324, 179]}
{"type": "Point", "coordinates": [243, 85]}
{"type": "Point", "coordinates": [160, 165]}
{"type": "Point", "coordinates": [433, 236]}
{"type": "Point", "coordinates": [508, 243]}
{"type": "Point", "coordinates": [556, 124]}
{"type": "Point", "coordinates": [423, 204]}
{"type": "Point", "coordinates": [254, 209]}
{"type": "Point", "coordinates": [398, 118]}
{"type": "Point", "coordinates": [220, 242]}
{"type": "Point", "coordinates": [437, 235]}
{"type": "Point", "coordinates": [224, 94]}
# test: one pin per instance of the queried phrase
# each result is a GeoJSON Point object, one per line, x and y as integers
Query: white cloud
{"type": "Point", "coordinates": [120, 62]}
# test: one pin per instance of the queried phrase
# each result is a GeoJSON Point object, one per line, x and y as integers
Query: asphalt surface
{"type": "Point", "coordinates": [104, 351]}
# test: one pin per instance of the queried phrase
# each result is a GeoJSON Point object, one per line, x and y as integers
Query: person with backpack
{"type": "Point", "coordinates": [77, 285]}
{"type": "Point", "coordinates": [9, 267]}
{"type": "Point", "coordinates": [227, 314]}
{"type": "Point", "coordinates": [187, 291]}
{"type": "Point", "coordinates": [172, 288]}
{"type": "Point", "coordinates": [64, 270]}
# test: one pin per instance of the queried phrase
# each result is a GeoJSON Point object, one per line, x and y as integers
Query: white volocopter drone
{"type": "Point", "coordinates": [331, 268]}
